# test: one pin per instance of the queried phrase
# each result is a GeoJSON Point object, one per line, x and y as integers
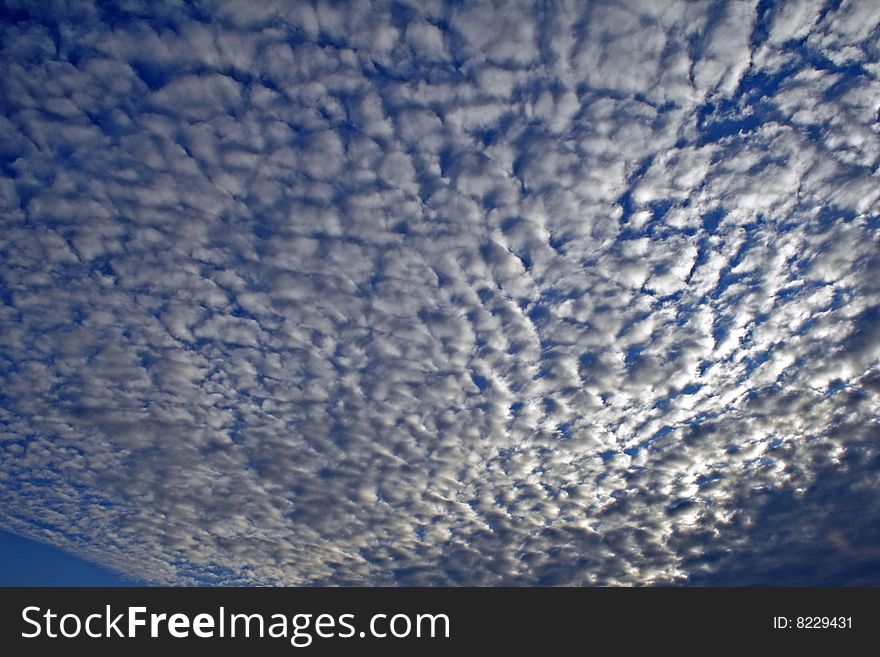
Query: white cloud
{"type": "Point", "coordinates": [440, 295]}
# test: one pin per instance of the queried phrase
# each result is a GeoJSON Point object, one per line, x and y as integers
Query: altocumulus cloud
{"type": "Point", "coordinates": [443, 293]}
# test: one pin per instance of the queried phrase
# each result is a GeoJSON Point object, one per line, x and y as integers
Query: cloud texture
{"type": "Point", "coordinates": [443, 293]}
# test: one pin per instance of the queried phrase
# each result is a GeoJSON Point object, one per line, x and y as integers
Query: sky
{"type": "Point", "coordinates": [25, 562]}
{"type": "Point", "coordinates": [441, 293]}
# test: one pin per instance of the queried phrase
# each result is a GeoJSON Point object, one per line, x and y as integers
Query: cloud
{"type": "Point", "coordinates": [419, 293]}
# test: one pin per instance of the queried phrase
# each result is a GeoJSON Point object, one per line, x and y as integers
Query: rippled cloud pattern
{"type": "Point", "coordinates": [396, 293]}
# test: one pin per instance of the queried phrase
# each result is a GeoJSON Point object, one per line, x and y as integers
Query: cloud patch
{"type": "Point", "coordinates": [422, 293]}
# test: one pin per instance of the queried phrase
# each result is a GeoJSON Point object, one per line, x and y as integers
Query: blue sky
{"type": "Point", "coordinates": [25, 562]}
{"type": "Point", "coordinates": [392, 293]}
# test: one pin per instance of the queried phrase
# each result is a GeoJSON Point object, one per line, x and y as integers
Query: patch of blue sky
{"type": "Point", "coordinates": [27, 562]}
